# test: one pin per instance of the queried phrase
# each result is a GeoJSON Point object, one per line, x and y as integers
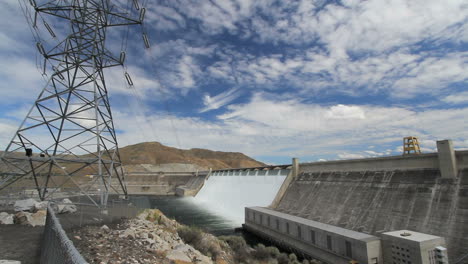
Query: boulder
{"type": "Point", "coordinates": [25, 205]}
{"type": "Point", "coordinates": [178, 257]}
{"type": "Point", "coordinates": [66, 206]}
{"type": "Point", "coordinates": [41, 205]}
{"type": "Point", "coordinates": [31, 219]}
{"type": "Point", "coordinates": [38, 218]}
{"type": "Point", "coordinates": [105, 228]}
{"type": "Point", "coordinates": [128, 233]}
{"type": "Point", "coordinates": [194, 254]}
{"type": "Point", "coordinates": [23, 218]}
{"type": "Point", "coordinates": [6, 218]}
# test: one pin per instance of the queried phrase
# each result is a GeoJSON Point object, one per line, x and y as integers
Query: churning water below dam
{"type": "Point", "coordinates": [219, 206]}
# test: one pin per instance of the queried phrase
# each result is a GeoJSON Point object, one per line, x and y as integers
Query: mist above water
{"type": "Point", "coordinates": [227, 196]}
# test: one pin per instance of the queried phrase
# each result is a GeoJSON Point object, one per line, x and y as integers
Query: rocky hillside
{"type": "Point", "coordinates": [157, 153]}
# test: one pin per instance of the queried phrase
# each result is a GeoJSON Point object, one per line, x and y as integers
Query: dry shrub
{"type": "Point", "coordinates": [190, 235]}
{"type": "Point", "coordinates": [195, 237]}
{"type": "Point", "coordinates": [239, 247]}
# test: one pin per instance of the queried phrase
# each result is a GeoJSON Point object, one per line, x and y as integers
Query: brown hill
{"type": "Point", "coordinates": [157, 153]}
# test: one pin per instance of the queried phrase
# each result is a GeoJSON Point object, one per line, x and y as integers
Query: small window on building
{"type": "Point", "coordinates": [349, 252]}
{"type": "Point", "coordinates": [329, 242]}
{"type": "Point", "coordinates": [254, 216]}
{"type": "Point", "coordinates": [277, 224]}
{"type": "Point", "coordinates": [312, 236]}
{"type": "Point", "coordinates": [268, 221]}
{"type": "Point", "coordinates": [261, 219]}
{"type": "Point", "coordinates": [376, 261]}
{"type": "Point", "coordinates": [299, 232]}
{"type": "Point", "coordinates": [287, 228]}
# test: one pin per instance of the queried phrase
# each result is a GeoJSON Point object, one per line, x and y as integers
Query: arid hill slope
{"type": "Point", "coordinates": [157, 153]}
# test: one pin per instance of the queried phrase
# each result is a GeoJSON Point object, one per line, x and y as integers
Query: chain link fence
{"type": "Point", "coordinates": [56, 246]}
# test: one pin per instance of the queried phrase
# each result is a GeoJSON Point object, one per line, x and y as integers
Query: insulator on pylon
{"type": "Point", "coordinates": [122, 57]}
{"type": "Point", "coordinates": [129, 79]}
{"type": "Point", "coordinates": [33, 3]}
{"type": "Point", "coordinates": [35, 20]}
{"type": "Point", "coordinates": [49, 29]}
{"type": "Point", "coordinates": [145, 39]}
{"type": "Point", "coordinates": [59, 74]}
{"type": "Point", "coordinates": [135, 3]}
{"type": "Point", "coordinates": [40, 48]}
{"type": "Point", "coordinates": [142, 14]}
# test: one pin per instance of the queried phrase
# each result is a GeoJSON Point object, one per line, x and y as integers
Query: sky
{"type": "Point", "coordinates": [317, 80]}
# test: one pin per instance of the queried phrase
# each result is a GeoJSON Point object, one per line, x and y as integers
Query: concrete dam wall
{"type": "Point", "coordinates": [385, 194]}
{"type": "Point", "coordinates": [164, 183]}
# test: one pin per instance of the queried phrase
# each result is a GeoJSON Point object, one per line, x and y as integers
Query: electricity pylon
{"type": "Point", "coordinates": [68, 136]}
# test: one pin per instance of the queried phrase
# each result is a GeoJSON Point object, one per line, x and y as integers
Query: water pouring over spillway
{"type": "Point", "coordinates": [227, 195]}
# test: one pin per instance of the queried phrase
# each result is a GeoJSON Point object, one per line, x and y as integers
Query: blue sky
{"type": "Point", "coordinates": [273, 79]}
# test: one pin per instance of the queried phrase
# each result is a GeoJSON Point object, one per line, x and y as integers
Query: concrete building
{"type": "Point", "coordinates": [328, 243]}
{"type": "Point", "coordinates": [336, 245]}
{"type": "Point", "coordinates": [409, 247]}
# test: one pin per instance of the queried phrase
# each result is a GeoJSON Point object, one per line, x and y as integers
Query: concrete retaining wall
{"type": "Point", "coordinates": [408, 162]}
{"type": "Point", "coordinates": [462, 159]}
{"type": "Point", "coordinates": [155, 183]}
{"type": "Point", "coordinates": [192, 187]}
{"type": "Point", "coordinates": [429, 161]}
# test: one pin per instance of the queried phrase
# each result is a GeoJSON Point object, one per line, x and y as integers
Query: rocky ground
{"type": "Point", "coordinates": [149, 238]}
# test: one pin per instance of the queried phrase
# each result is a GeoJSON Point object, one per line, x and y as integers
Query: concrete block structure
{"type": "Point", "coordinates": [447, 159]}
{"type": "Point", "coordinates": [328, 243]}
{"type": "Point", "coordinates": [192, 187]}
{"type": "Point", "coordinates": [409, 247]}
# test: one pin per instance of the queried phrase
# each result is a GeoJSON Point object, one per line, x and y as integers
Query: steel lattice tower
{"type": "Point", "coordinates": [69, 131]}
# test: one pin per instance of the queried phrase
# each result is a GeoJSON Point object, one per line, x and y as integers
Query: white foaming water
{"type": "Point", "coordinates": [227, 196]}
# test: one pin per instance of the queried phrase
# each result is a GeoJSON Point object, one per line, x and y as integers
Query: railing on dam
{"type": "Point", "coordinates": [261, 168]}
{"type": "Point", "coordinates": [275, 172]}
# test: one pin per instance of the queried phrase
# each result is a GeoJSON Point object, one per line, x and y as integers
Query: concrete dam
{"type": "Point", "coordinates": [427, 193]}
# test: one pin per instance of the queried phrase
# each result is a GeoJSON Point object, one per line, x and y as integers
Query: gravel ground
{"type": "Point", "coordinates": [97, 246]}
{"type": "Point", "coordinates": [21, 243]}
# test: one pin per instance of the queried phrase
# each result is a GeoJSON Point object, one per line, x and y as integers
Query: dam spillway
{"type": "Point", "coordinates": [228, 193]}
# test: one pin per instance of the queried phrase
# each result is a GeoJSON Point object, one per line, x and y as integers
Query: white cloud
{"type": "Point", "coordinates": [21, 80]}
{"type": "Point", "coordinates": [345, 112]}
{"type": "Point", "coordinates": [458, 98]}
{"type": "Point", "coordinates": [220, 100]}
